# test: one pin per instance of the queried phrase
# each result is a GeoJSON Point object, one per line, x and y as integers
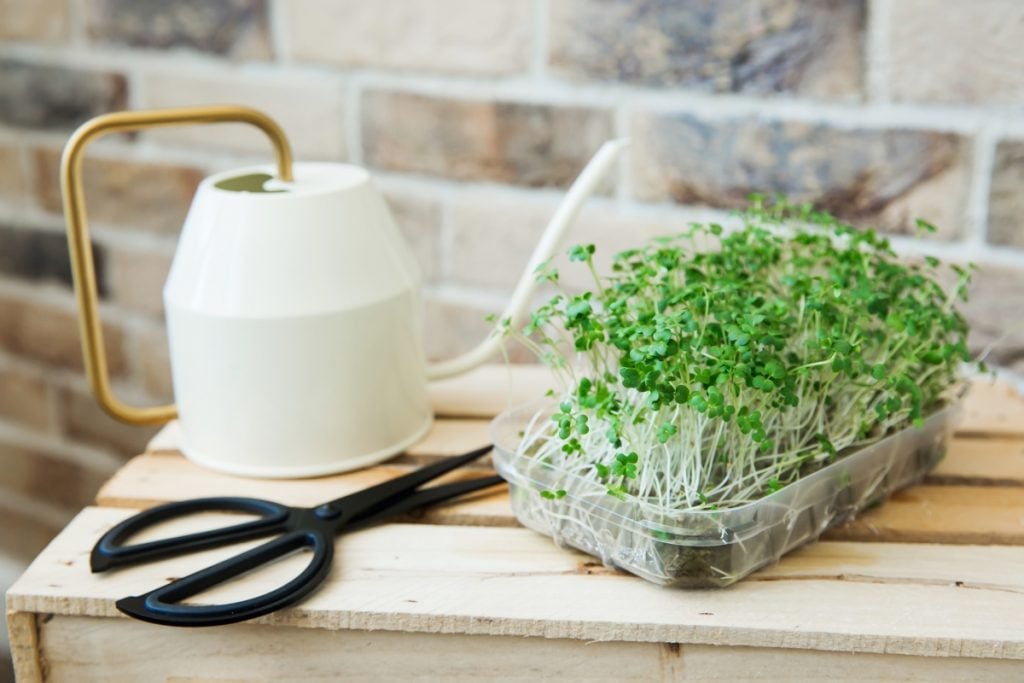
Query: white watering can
{"type": "Point", "coordinates": [292, 309]}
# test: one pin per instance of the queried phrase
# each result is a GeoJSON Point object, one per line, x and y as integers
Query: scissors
{"type": "Point", "coordinates": [297, 528]}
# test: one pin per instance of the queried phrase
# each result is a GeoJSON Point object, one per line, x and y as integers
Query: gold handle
{"type": "Point", "coordinates": [82, 266]}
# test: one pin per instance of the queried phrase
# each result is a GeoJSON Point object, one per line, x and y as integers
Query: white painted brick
{"type": "Point", "coordinates": [40, 20]}
{"type": "Point", "coordinates": [311, 110]}
{"type": "Point", "coordinates": [457, 36]}
{"type": "Point", "coordinates": [495, 233]}
{"type": "Point", "coordinates": [136, 279]}
{"type": "Point", "coordinates": [418, 215]}
{"type": "Point", "coordinates": [942, 51]}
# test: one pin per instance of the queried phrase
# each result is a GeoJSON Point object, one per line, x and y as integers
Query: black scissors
{"type": "Point", "coordinates": [297, 528]}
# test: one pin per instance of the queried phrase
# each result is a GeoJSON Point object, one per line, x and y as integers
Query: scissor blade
{"type": "Point", "coordinates": [420, 499]}
{"type": "Point", "coordinates": [351, 506]}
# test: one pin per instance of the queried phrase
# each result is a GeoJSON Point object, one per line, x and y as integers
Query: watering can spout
{"type": "Point", "coordinates": [564, 216]}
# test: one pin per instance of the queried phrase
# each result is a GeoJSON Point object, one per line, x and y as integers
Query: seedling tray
{"type": "Point", "coordinates": [709, 548]}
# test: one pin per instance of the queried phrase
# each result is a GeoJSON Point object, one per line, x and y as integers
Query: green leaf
{"type": "Point", "coordinates": [581, 252]}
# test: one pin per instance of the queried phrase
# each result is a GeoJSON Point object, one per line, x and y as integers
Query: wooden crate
{"type": "Point", "coordinates": [929, 586]}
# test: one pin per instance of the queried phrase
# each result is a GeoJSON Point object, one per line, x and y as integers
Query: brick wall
{"type": "Point", "coordinates": [474, 115]}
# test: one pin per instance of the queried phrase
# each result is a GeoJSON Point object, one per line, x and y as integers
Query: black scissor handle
{"type": "Point", "coordinates": [162, 606]}
{"type": "Point", "coordinates": [110, 551]}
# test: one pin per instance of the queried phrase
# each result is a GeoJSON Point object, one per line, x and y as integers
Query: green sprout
{"type": "Point", "coordinates": [706, 378]}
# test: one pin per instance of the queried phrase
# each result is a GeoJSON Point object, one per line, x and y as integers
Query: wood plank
{"type": "Point", "coordinates": [943, 514]}
{"type": "Point", "coordinates": [23, 634]}
{"type": "Point", "coordinates": [82, 649]}
{"type": "Point", "coordinates": [921, 514]}
{"type": "Point", "coordinates": [155, 478]}
{"type": "Point", "coordinates": [920, 600]}
{"type": "Point", "coordinates": [451, 436]}
{"type": "Point", "coordinates": [747, 664]}
{"type": "Point", "coordinates": [981, 461]}
{"type": "Point", "coordinates": [992, 408]}
{"type": "Point", "coordinates": [973, 460]}
{"type": "Point", "coordinates": [85, 649]}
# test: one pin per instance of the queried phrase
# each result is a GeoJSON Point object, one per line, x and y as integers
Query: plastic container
{"type": "Point", "coordinates": [718, 547]}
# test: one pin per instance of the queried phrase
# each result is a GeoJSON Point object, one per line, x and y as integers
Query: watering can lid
{"type": "Point", "coordinates": [310, 179]}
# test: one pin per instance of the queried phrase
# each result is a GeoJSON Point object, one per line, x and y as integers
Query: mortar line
{"type": "Point", "coordinates": [70, 379]}
{"type": "Point", "coordinates": [527, 89]}
{"type": "Point", "coordinates": [624, 177]}
{"type": "Point", "coordinates": [982, 168]}
{"type": "Point", "coordinates": [40, 220]}
{"type": "Point", "coordinates": [280, 44]}
{"type": "Point", "coordinates": [135, 81]}
{"type": "Point", "coordinates": [541, 38]}
{"type": "Point", "coordinates": [134, 375]}
{"type": "Point", "coordinates": [60, 297]}
{"type": "Point", "coordinates": [76, 23]}
{"type": "Point", "coordinates": [446, 235]}
{"type": "Point", "coordinates": [59, 447]}
{"type": "Point", "coordinates": [34, 507]}
{"type": "Point", "coordinates": [353, 121]}
{"type": "Point", "coordinates": [975, 249]}
{"type": "Point", "coordinates": [31, 218]}
{"type": "Point", "coordinates": [714, 107]}
{"type": "Point", "coordinates": [56, 417]}
{"type": "Point", "coordinates": [31, 370]}
{"type": "Point", "coordinates": [33, 138]}
{"type": "Point", "coordinates": [876, 50]}
{"type": "Point", "coordinates": [26, 166]}
{"type": "Point", "coordinates": [109, 57]}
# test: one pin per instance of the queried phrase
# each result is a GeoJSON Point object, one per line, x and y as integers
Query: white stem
{"type": "Point", "coordinates": [565, 215]}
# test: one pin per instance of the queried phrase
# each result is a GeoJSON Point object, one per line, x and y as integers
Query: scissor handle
{"type": "Point", "coordinates": [110, 550]}
{"type": "Point", "coordinates": [162, 606]}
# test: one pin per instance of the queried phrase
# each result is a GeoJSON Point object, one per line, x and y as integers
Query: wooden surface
{"type": "Point", "coordinates": [84, 651]}
{"type": "Point", "coordinates": [928, 586]}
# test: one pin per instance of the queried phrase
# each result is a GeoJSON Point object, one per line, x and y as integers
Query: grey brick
{"type": "Point", "coordinates": [750, 46]}
{"type": "Point", "coordinates": [56, 97]}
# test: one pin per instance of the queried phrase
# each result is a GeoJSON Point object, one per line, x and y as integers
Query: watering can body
{"type": "Point", "coordinates": [293, 320]}
{"type": "Point", "coordinates": [293, 310]}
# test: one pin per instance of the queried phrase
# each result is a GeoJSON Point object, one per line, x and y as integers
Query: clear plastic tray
{"type": "Point", "coordinates": [709, 548]}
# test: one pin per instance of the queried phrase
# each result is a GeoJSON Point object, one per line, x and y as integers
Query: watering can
{"type": "Point", "coordinates": [293, 309]}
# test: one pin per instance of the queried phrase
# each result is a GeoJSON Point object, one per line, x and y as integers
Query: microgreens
{"type": "Point", "coordinates": [706, 378]}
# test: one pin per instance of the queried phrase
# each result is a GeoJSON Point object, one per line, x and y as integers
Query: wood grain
{"type": "Point", "coordinates": [923, 514]}
{"type": "Point", "coordinates": [449, 595]}
{"type": "Point", "coordinates": [155, 478]}
{"type": "Point", "coordinates": [23, 633]}
{"type": "Point", "coordinates": [993, 408]}
{"type": "Point", "coordinates": [971, 460]}
{"type": "Point", "coordinates": [974, 496]}
{"type": "Point", "coordinates": [943, 514]}
{"type": "Point", "coordinates": [512, 582]}
{"type": "Point", "coordinates": [84, 649]}
{"type": "Point", "coordinates": [981, 461]}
